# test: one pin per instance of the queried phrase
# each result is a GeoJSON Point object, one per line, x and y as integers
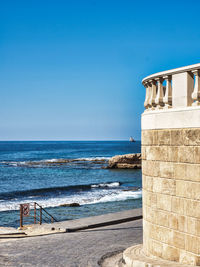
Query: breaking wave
{"type": "Point", "coordinates": [85, 198]}
{"type": "Point", "coordinates": [57, 162]}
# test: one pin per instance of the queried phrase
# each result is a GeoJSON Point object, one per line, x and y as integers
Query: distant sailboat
{"type": "Point", "coordinates": [131, 139]}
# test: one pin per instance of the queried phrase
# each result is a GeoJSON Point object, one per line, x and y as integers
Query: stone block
{"type": "Point", "coordinates": [164, 185]}
{"type": "Point", "coordinates": [192, 208]}
{"type": "Point", "coordinates": [191, 225]}
{"type": "Point", "coordinates": [192, 244]}
{"type": "Point", "coordinates": [181, 220]}
{"type": "Point", "coordinates": [192, 137]}
{"type": "Point", "coordinates": [178, 205]}
{"type": "Point", "coordinates": [189, 258]}
{"type": "Point", "coordinates": [159, 153]}
{"type": "Point", "coordinates": [157, 248]}
{"type": "Point", "coordinates": [147, 182]}
{"type": "Point", "coordinates": [150, 168]}
{"type": "Point", "coordinates": [164, 202]}
{"type": "Point", "coordinates": [177, 137]}
{"type": "Point", "coordinates": [196, 155]}
{"type": "Point", "coordinates": [164, 137]}
{"type": "Point", "coordinates": [178, 240]}
{"type": "Point", "coordinates": [149, 199]}
{"type": "Point", "coordinates": [188, 189]}
{"type": "Point", "coordinates": [155, 138]}
{"type": "Point", "coordinates": [197, 227]}
{"type": "Point", "coordinates": [173, 221]}
{"type": "Point", "coordinates": [147, 137]}
{"type": "Point", "coordinates": [192, 172]}
{"type": "Point", "coordinates": [170, 253]}
{"type": "Point", "coordinates": [161, 234]}
{"type": "Point", "coordinates": [180, 171]}
{"type": "Point", "coordinates": [162, 218]}
{"type": "Point", "coordinates": [186, 154]}
{"type": "Point", "coordinates": [166, 169]}
{"type": "Point", "coordinates": [173, 153]}
{"type": "Point", "coordinates": [143, 150]}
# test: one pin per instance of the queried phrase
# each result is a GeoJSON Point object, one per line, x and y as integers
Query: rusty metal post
{"type": "Point", "coordinates": [21, 216]}
{"type": "Point", "coordinates": [52, 220]}
{"type": "Point", "coordinates": [34, 212]}
{"type": "Point", "coordinates": [40, 215]}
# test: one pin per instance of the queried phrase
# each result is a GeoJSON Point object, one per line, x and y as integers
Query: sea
{"type": "Point", "coordinates": [53, 173]}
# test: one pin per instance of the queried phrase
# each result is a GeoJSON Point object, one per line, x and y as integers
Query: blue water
{"type": "Point", "coordinates": [56, 173]}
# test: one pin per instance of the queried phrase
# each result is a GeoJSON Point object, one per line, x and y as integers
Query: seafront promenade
{"type": "Point", "coordinates": [83, 248]}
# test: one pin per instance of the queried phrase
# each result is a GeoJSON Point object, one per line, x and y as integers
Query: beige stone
{"type": "Point", "coordinates": [180, 171]}
{"type": "Point", "coordinates": [161, 218]}
{"type": "Point", "coordinates": [191, 225]}
{"type": "Point", "coordinates": [161, 234]}
{"type": "Point", "coordinates": [164, 202]}
{"type": "Point", "coordinates": [147, 138]}
{"type": "Point", "coordinates": [188, 189]}
{"type": "Point", "coordinates": [157, 248]}
{"type": "Point", "coordinates": [164, 137]}
{"type": "Point", "coordinates": [164, 185]}
{"type": "Point", "coordinates": [166, 169]}
{"type": "Point", "coordinates": [192, 172]}
{"type": "Point", "coordinates": [147, 182]}
{"type": "Point", "coordinates": [189, 258]}
{"type": "Point", "coordinates": [143, 152]}
{"type": "Point", "coordinates": [173, 153]}
{"type": "Point", "coordinates": [186, 154]}
{"type": "Point", "coordinates": [178, 240]}
{"type": "Point", "coordinates": [196, 155]}
{"type": "Point", "coordinates": [170, 253]}
{"type": "Point", "coordinates": [192, 244]}
{"type": "Point", "coordinates": [192, 137]}
{"type": "Point", "coordinates": [177, 138]}
{"type": "Point", "coordinates": [192, 208]}
{"type": "Point", "coordinates": [178, 205]}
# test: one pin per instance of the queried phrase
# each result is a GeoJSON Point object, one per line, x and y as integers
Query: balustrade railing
{"type": "Point", "coordinates": [173, 88]}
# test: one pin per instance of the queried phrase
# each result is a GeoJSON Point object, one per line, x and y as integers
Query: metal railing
{"type": "Point", "coordinates": [33, 213]}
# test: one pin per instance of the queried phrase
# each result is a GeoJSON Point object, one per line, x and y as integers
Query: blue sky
{"type": "Point", "coordinates": [72, 70]}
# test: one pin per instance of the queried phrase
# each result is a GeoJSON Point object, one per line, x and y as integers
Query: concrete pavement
{"type": "Point", "coordinates": [76, 249]}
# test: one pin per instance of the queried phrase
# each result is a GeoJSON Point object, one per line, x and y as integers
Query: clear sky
{"type": "Point", "coordinates": [72, 70]}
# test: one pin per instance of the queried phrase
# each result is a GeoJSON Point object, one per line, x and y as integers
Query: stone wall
{"type": "Point", "coordinates": [171, 194]}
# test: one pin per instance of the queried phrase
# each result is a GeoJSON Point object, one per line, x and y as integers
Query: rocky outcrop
{"type": "Point", "coordinates": [127, 161]}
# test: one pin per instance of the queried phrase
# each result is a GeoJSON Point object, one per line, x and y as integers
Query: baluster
{"type": "Point", "coordinates": [159, 96]}
{"type": "Point", "coordinates": [153, 94]}
{"type": "Point", "coordinates": [146, 102]}
{"type": "Point", "coordinates": [167, 99]}
{"type": "Point", "coordinates": [196, 92]}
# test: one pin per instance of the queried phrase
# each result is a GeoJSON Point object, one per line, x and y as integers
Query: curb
{"type": "Point", "coordinates": [96, 225]}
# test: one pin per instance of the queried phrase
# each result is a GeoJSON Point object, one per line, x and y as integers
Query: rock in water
{"type": "Point", "coordinates": [127, 161]}
{"type": "Point", "coordinates": [70, 205]}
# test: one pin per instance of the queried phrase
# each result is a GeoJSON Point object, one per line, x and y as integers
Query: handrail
{"type": "Point", "coordinates": [171, 72]}
{"type": "Point", "coordinates": [29, 211]}
{"type": "Point", "coordinates": [47, 212]}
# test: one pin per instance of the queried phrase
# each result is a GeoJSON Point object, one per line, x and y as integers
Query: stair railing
{"type": "Point", "coordinates": [33, 213]}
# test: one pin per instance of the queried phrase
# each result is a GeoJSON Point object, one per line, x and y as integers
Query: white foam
{"type": "Point", "coordinates": [83, 198]}
{"type": "Point", "coordinates": [114, 184]}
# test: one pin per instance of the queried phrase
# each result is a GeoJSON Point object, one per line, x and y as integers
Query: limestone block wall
{"type": "Point", "coordinates": [171, 194]}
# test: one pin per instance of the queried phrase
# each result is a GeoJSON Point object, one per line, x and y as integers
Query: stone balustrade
{"type": "Point", "coordinates": [173, 88]}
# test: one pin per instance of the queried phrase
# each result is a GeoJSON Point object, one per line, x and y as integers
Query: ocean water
{"type": "Point", "coordinates": [62, 172]}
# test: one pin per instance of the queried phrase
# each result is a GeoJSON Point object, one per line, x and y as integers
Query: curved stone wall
{"type": "Point", "coordinates": [171, 194]}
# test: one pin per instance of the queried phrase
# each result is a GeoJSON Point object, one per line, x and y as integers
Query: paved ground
{"type": "Point", "coordinates": [78, 249]}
